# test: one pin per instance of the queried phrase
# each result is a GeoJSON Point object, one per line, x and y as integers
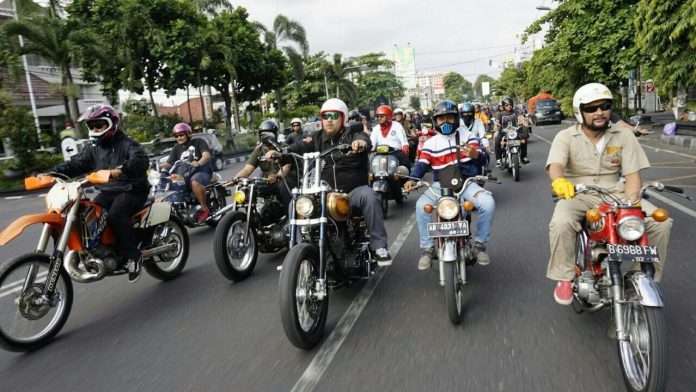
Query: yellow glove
{"type": "Point", "coordinates": [563, 188]}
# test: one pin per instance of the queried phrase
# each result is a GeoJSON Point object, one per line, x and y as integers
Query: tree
{"type": "Point", "coordinates": [376, 85]}
{"type": "Point", "coordinates": [457, 88]}
{"type": "Point", "coordinates": [338, 74]}
{"type": "Point", "coordinates": [478, 91]}
{"type": "Point", "coordinates": [310, 90]}
{"type": "Point", "coordinates": [512, 83]}
{"type": "Point", "coordinates": [415, 103]}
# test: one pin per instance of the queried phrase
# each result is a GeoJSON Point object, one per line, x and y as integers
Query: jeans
{"type": "Point", "coordinates": [484, 203]}
{"type": "Point", "coordinates": [120, 207]}
{"type": "Point", "coordinates": [364, 198]}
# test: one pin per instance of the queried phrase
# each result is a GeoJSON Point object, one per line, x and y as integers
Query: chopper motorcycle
{"type": "Point", "coordinates": [36, 292]}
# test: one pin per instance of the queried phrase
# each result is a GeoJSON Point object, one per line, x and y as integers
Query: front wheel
{"type": "Point", "coordinates": [235, 247]}
{"type": "Point", "coordinates": [515, 167]}
{"type": "Point", "coordinates": [27, 322]}
{"type": "Point", "coordinates": [453, 292]}
{"type": "Point", "coordinates": [303, 315]}
{"type": "Point", "coordinates": [385, 204]}
{"type": "Point", "coordinates": [169, 265]}
{"type": "Point", "coordinates": [644, 355]}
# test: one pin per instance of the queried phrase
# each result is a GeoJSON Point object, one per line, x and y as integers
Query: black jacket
{"type": "Point", "coordinates": [351, 169]}
{"type": "Point", "coordinates": [122, 151]}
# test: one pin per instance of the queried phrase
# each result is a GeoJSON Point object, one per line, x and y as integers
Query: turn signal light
{"type": "Point", "coordinates": [593, 215]}
{"type": "Point", "coordinates": [370, 177]}
{"type": "Point", "coordinates": [523, 141]}
{"type": "Point", "coordinates": [660, 215]}
{"type": "Point", "coordinates": [428, 208]}
{"type": "Point", "coordinates": [468, 206]}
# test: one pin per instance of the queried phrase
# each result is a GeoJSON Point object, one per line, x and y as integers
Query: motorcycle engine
{"type": "Point", "coordinates": [111, 261]}
{"type": "Point", "coordinates": [271, 213]}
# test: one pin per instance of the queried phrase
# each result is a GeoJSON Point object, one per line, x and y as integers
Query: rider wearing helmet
{"type": "Point", "coordinates": [355, 121]}
{"type": "Point", "coordinates": [127, 189]}
{"type": "Point", "coordinates": [202, 170]}
{"type": "Point", "coordinates": [508, 115]}
{"type": "Point", "coordinates": [592, 152]}
{"type": "Point", "coordinates": [439, 152]}
{"type": "Point", "coordinates": [346, 172]}
{"type": "Point", "coordinates": [390, 133]}
{"type": "Point", "coordinates": [470, 123]}
{"type": "Point", "coordinates": [297, 134]}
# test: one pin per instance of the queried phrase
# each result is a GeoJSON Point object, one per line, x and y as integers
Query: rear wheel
{"type": "Point", "coordinates": [454, 296]}
{"type": "Point", "coordinates": [169, 265]}
{"type": "Point", "coordinates": [27, 322]}
{"type": "Point", "coordinates": [235, 253]}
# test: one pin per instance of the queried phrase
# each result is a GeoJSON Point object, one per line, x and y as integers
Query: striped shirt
{"type": "Point", "coordinates": [440, 151]}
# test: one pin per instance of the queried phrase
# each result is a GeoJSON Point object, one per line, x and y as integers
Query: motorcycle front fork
{"type": "Point", "coordinates": [451, 251]}
{"type": "Point", "coordinates": [619, 303]}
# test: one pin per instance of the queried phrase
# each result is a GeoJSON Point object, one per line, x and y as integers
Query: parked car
{"type": "Point", "coordinates": [160, 149]}
{"type": "Point", "coordinates": [547, 110]}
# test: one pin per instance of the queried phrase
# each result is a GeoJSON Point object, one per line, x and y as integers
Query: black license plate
{"type": "Point", "coordinates": [633, 253]}
{"type": "Point", "coordinates": [448, 229]}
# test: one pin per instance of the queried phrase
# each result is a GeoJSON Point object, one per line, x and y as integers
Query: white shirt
{"type": "Point", "coordinates": [396, 137]}
{"type": "Point", "coordinates": [478, 129]}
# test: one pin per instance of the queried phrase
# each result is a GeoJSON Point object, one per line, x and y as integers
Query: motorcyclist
{"type": "Point", "coordinates": [347, 172]}
{"type": "Point", "coordinates": [355, 121]}
{"type": "Point", "coordinates": [480, 115]}
{"type": "Point", "coordinates": [390, 133]}
{"type": "Point", "coordinates": [439, 152]}
{"type": "Point", "coordinates": [509, 113]}
{"type": "Point", "coordinates": [593, 152]}
{"type": "Point", "coordinates": [202, 170]}
{"type": "Point", "coordinates": [469, 121]}
{"type": "Point", "coordinates": [127, 189]}
{"type": "Point", "coordinates": [297, 133]}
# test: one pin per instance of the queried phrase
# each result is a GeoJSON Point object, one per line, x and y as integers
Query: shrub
{"type": "Point", "coordinates": [144, 128]}
{"type": "Point", "coordinates": [17, 125]}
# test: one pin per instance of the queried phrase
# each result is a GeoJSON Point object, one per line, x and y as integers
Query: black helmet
{"type": "Point", "coordinates": [354, 115]}
{"type": "Point", "coordinates": [269, 126]}
{"type": "Point", "coordinates": [443, 108]}
{"type": "Point", "coordinates": [507, 100]}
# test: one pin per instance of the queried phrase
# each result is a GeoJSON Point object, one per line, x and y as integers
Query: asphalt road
{"type": "Point", "coordinates": [201, 332]}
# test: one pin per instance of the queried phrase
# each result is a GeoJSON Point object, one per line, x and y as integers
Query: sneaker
{"type": "Point", "coordinates": [498, 163]}
{"type": "Point", "coordinates": [525, 160]}
{"type": "Point", "coordinates": [481, 255]}
{"type": "Point", "coordinates": [563, 294]}
{"type": "Point", "coordinates": [203, 215]}
{"type": "Point", "coordinates": [133, 266]}
{"type": "Point", "coordinates": [426, 259]}
{"type": "Point", "coordinates": [383, 257]}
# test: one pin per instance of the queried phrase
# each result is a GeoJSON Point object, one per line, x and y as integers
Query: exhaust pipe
{"type": "Point", "coordinates": [72, 265]}
{"type": "Point", "coordinates": [158, 250]}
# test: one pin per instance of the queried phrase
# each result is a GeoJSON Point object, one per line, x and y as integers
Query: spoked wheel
{"type": "Point", "coordinates": [644, 355]}
{"type": "Point", "coordinates": [385, 204]}
{"type": "Point", "coordinates": [515, 167]}
{"type": "Point", "coordinates": [302, 314]}
{"type": "Point", "coordinates": [454, 292]}
{"type": "Point", "coordinates": [234, 247]}
{"type": "Point", "coordinates": [28, 321]}
{"type": "Point", "coordinates": [169, 265]}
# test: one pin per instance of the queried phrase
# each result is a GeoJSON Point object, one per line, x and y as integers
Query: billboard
{"type": "Point", "coordinates": [405, 66]}
{"type": "Point", "coordinates": [438, 83]}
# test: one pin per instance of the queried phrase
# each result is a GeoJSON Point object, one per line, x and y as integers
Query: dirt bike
{"type": "Point", "coordinates": [36, 292]}
{"type": "Point", "coordinates": [614, 233]}
{"type": "Point", "coordinates": [385, 173]}
{"type": "Point", "coordinates": [329, 249]}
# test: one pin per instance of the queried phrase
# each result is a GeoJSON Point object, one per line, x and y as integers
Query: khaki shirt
{"type": "Point", "coordinates": [584, 165]}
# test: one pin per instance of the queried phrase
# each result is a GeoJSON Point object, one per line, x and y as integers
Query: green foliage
{"type": "Point", "coordinates": [17, 125]}
{"type": "Point", "coordinates": [456, 87]}
{"type": "Point", "coordinates": [310, 90]}
{"type": "Point", "coordinates": [302, 112]}
{"type": "Point", "coordinates": [415, 103]}
{"type": "Point", "coordinates": [376, 85]}
{"type": "Point", "coordinates": [144, 128]}
{"type": "Point", "coordinates": [479, 81]}
{"type": "Point", "coordinates": [512, 83]}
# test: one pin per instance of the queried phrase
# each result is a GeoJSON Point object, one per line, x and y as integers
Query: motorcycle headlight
{"type": "Point", "coordinates": [239, 197]}
{"type": "Point", "coordinates": [447, 208]}
{"type": "Point", "coordinates": [154, 177]}
{"type": "Point", "coordinates": [631, 228]}
{"type": "Point", "coordinates": [512, 134]}
{"type": "Point", "coordinates": [304, 206]}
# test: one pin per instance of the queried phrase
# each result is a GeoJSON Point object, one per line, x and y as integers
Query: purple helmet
{"type": "Point", "coordinates": [181, 128]}
{"type": "Point", "coordinates": [102, 122]}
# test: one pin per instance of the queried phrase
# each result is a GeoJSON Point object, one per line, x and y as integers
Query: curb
{"type": "Point", "coordinates": [679, 141]}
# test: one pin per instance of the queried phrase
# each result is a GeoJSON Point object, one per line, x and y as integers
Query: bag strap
{"type": "Point", "coordinates": [456, 138]}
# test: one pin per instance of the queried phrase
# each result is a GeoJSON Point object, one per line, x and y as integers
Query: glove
{"type": "Point", "coordinates": [563, 188]}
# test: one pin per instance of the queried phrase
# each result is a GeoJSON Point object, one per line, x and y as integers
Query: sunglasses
{"type": "Point", "coordinates": [507, 104]}
{"type": "Point", "coordinates": [295, 125]}
{"type": "Point", "coordinates": [381, 115]}
{"type": "Point", "coordinates": [591, 109]}
{"type": "Point", "coordinates": [97, 124]}
{"type": "Point", "coordinates": [178, 135]}
{"type": "Point", "coordinates": [331, 115]}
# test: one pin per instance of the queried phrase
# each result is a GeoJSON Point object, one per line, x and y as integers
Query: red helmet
{"type": "Point", "coordinates": [384, 109]}
{"type": "Point", "coordinates": [97, 114]}
{"type": "Point", "coordinates": [181, 128]}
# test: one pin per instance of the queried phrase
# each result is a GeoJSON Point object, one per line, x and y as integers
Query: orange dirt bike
{"type": "Point", "coordinates": [36, 291]}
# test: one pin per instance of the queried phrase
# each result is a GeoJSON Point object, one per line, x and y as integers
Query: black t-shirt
{"type": "Point", "coordinates": [507, 117]}
{"type": "Point", "coordinates": [200, 147]}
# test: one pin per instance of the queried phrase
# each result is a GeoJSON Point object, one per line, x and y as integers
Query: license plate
{"type": "Point", "coordinates": [633, 253]}
{"type": "Point", "coordinates": [513, 143]}
{"type": "Point", "coordinates": [448, 229]}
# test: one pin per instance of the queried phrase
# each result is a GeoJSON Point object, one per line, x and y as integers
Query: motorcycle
{"type": "Point", "coordinates": [37, 287]}
{"type": "Point", "coordinates": [454, 242]}
{"type": "Point", "coordinates": [170, 186]}
{"type": "Point", "coordinates": [511, 143]}
{"type": "Point", "coordinates": [384, 167]}
{"type": "Point", "coordinates": [424, 134]}
{"type": "Point", "coordinates": [614, 233]}
{"type": "Point", "coordinates": [329, 249]}
{"type": "Point", "coordinates": [251, 228]}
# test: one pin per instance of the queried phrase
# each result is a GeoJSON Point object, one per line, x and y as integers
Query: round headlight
{"type": "Point", "coordinates": [304, 206]}
{"type": "Point", "coordinates": [512, 134]}
{"type": "Point", "coordinates": [447, 208]}
{"type": "Point", "coordinates": [154, 177]}
{"type": "Point", "coordinates": [239, 197]}
{"type": "Point", "coordinates": [631, 228]}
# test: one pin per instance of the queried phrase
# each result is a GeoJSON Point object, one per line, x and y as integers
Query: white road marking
{"type": "Point", "coordinates": [311, 376]}
{"type": "Point", "coordinates": [14, 197]}
{"type": "Point", "coordinates": [669, 151]}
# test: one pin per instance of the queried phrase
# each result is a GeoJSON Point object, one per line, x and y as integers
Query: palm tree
{"type": "Point", "coordinates": [288, 36]}
{"type": "Point", "coordinates": [338, 73]}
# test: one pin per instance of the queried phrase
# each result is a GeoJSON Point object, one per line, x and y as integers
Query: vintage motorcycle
{"type": "Point", "coordinates": [329, 249]}
{"type": "Point", "coordinates": [170, 186]}
{"type": "Point", "coordinates": [258, 223]}
{"type": "Point", "coordinates": [614, 233]}
{"type": "Point", "coordinates": [511, 143]}
{"type": "Point", "coordinates": [384, 167]}
{"type": "Point", "coordinates": [454, 241]}
{"type": "Point", "coordinates": [36, 292]}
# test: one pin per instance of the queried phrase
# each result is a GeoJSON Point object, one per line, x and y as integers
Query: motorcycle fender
{"type": "Point", "coordinates": [17, 227]}
{"type": "Point", "coordinates": [379, 186]}
{"type": "Point", "coordinates": [648, 290]}
{"type": "Point", "coordinates": [159, 213]}
{"type": "Point", "coordinates": [513, 150]}
{"type": "Point", "coordinates": [448, 250]}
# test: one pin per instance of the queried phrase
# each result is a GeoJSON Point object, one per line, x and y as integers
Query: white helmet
{"type": "Point", "coordinates": [398, 111]}
{"type": "Point", "coordinates": [296, 120]}
{"type": "Point", "coordinates": [336, 105]}
{"type": "Point", "coordinates": [589, 93]}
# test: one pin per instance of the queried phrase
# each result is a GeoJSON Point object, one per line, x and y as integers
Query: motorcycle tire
{"type": "Point", "coordinates": [234, 223]}
{"type": "Point", "coordinates": [178, 261]}
{"type": "Point", "coordinates": [62, 309]}
{"type": "Point", "coordinates": [453, 293]}
{"type": "Point", "coordinates": [384, 199]}
{"type": "Point", "coordinates": [303, 319]}
{"type": "Point", "coordinates": [515, 167]}
{"type": "Point", "coordinates": [653, 329]}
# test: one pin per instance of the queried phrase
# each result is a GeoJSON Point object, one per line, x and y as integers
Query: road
{"type": "Point", "coordinates": [201, 332]}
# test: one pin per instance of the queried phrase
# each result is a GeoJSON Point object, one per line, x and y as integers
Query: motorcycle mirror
{"type": "Point", "coordinates": [269, 142]}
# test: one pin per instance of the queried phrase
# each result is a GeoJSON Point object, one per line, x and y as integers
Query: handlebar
{"type": "Point", "coordinates": [658, 186]}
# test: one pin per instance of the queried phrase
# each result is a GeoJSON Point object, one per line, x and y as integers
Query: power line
{"type": "Point", "coordinates": [465, 62]}
{"type": "Point", "coordinates": [466, 50]}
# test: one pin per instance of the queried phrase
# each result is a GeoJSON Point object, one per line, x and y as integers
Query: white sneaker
{"type": "Point", "coordinates": [383, 257]}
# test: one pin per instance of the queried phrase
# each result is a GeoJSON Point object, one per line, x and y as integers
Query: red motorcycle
{"type": "Point", "coordinates": [614, 233]}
